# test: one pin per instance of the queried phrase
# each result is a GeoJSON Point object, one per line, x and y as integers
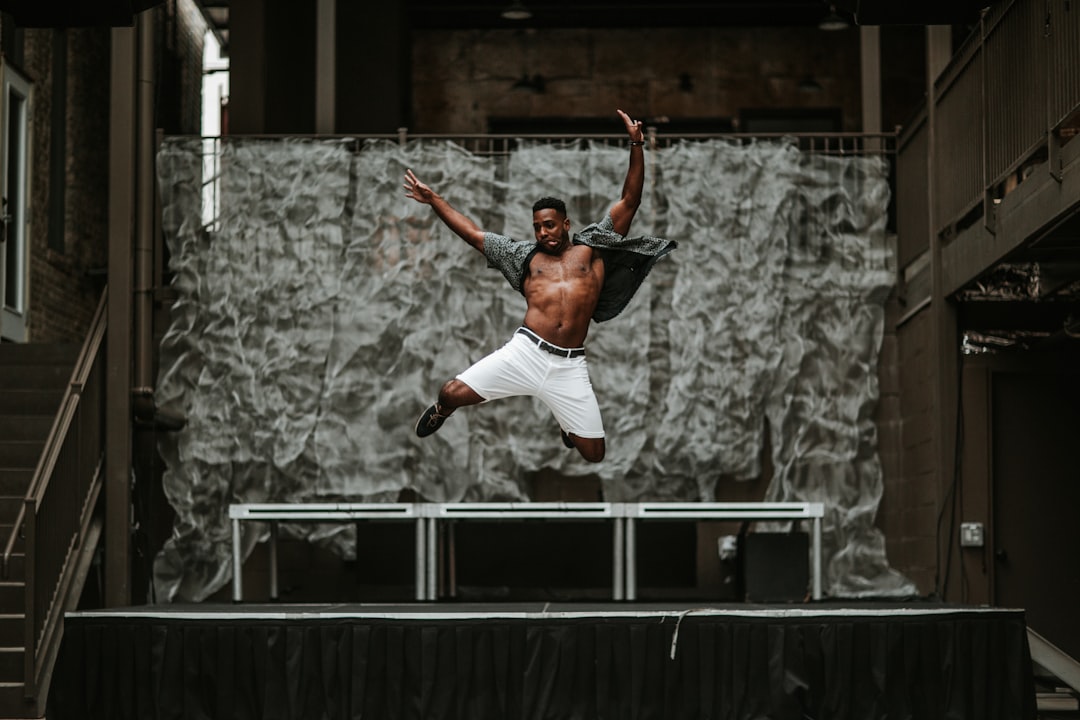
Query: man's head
{"type": "Point", "coordinates": [552, 203]}
{"type": "Point", "coordinates": [550, 224]}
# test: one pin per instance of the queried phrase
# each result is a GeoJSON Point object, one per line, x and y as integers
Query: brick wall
{"type": "Point", "coordinates": [909, 515]}
{"type": "Point", "coordinates": [182, 28]}
{"type": "Point", "coordinates": [65, 283]}
{"type": "Point", "coordinates": [461, 78]}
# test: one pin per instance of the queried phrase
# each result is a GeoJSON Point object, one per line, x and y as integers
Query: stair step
{"type": "Point", "coordinates": [13, 703]}
{"type": "Point", "coordinates": [9, 510]}
{"type": "Point", "coordinates": [35, 377]}
{"type": "Point", "coordinates": [33, 428]}
{"type": "Point", "coordinates": [20, 454]}
{"type": "Point", "coordinates": [15, 482]}
{"type": "Point", "coordinates": [16, 563]}
{"type": "Point", "coordinates": [1057, 702]}
{"type": "Point", "coordinates": [11, 591]}
{"type": "Point", "coordinates": [23, 401]}
{"type": "Point", "coordinates": [38, 353]}
{"type": "Point", "coordinates": [11, 664]}
{"type": "Point", "coordinates": [12, 594]}
{"type": "Point", "coordinates": [12, 630]}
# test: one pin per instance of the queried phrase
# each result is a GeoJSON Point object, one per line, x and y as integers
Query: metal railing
{"type": "Point", "coordinates": [488, 144]}
{"type": "Point", "coordinates": [59, 504]}
{"type": "Point", "coordinates": [1057, 662]}
{"type": "Point", "coordinates": [500, 146]}
{"type": "Point", "coordinates": [999, 106]}
{"type": "Point", "coordinates": [912, 200]}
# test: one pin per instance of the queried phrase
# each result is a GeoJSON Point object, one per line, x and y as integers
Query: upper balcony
{"type": "Point", "coordinates": [988, 168]}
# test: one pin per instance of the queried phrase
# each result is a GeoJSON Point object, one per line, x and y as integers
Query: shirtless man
{"type": "Point", "coordinates": [563, 281]}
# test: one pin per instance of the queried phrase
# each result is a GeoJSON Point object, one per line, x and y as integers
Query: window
{"type": "Point", "coordinates": [14, 182]}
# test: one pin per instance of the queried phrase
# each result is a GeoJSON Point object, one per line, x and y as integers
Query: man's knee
{"type": "Point", "coordinates": [592, 449]}
{"type": "Point", "coordinates": [456, 394]}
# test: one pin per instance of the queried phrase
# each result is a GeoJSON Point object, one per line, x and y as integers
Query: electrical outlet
{"type": "Point", "coordinates": [972, 534]}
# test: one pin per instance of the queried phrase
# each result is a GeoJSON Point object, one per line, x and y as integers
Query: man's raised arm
{"type": "Point", "coordinates": [465, 228]}
{"type": "Point", "coordinates": [622, 213]}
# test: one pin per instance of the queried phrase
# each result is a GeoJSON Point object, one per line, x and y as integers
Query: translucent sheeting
{"type": "Point", "coordinates": [323, 310]}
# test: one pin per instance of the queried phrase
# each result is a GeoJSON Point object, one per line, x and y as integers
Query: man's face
{"type": "Point", "coordinates": [552, 230]}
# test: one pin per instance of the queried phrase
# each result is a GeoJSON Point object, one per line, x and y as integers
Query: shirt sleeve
{"type": "Point", "coordinates": [508, 256]}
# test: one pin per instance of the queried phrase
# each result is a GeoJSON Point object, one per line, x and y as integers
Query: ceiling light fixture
{"type": "Point", "coordinates": [833, 21]}
{"type": "Point", "coordinates": [516, 11]}
{"type": "Point", "coordinates": [809, 86]}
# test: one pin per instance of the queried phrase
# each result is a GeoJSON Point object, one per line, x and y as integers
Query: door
{"type": "Point", "coordinates": [1036, 432]}
{"type": "Point", "coordinates": [14, 182]}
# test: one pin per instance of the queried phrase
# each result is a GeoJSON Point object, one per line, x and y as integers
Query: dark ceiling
{"type": "Point", "coordinates": [461, 14]}
{"type": "Point", "coordinates": [686, 13]}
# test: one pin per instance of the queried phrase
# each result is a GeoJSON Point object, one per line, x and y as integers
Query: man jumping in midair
{"type": "Point", "coordinates": [566, 283]}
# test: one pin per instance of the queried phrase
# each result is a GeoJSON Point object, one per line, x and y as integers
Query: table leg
{"type": "Point", "coordinates": [237, 568]}
{"type": "Point", "coordinates": [421, 559]}
{"type": "Point", "coordinates": [618, 559]}
{"type": "Point", "coordinates": [817, 558]}
{"type": "Point", "coordinates": [432, 558]}
{"type": "Point", "coordinates": [273, 561]}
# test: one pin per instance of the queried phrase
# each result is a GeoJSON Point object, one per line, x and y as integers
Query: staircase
{"type": "Point", "coordinates": [33, 379]}
{"type": "Point", "coordinates": [1057, 679]}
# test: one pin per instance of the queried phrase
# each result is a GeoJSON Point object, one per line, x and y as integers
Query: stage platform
{"type": "Point", "coordinates": [623, 661]}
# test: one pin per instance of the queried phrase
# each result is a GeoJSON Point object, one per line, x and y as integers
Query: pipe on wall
{"type": "Point", "coordinates": [144, 209]}
{"type": "Point", "coordinates": [122, 174]}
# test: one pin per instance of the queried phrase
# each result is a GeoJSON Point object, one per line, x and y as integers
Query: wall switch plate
{"type": "Point", "coordinates": [972, 534]}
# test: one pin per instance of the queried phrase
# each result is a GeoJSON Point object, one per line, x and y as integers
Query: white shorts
{"type": "Point", "coordinates": [521, 368]}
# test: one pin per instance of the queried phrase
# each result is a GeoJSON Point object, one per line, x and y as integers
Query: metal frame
{"type": "Point", "coordinates": [722, 511]}
{"type": "Point", "coordinates": [327, 512]}
{"type": "Point", "coordinates": [540, 511]}
{"type": "Point", "coordinates": [427, 516]}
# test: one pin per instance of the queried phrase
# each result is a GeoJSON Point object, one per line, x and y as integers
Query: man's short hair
{"type": "Point", "coordinates": [546, 203]}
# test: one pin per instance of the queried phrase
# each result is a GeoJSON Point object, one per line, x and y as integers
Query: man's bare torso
{"type": "Point", "coordinates": [561, 291]}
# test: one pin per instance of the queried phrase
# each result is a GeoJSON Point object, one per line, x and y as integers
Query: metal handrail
{"type": "Point", "coordinates": [1057, 661]}
{"type": "Point", "coordinates": [60, 426]}
{"type": "Point", "coordinates": [49, 572]}
{"type": "Point", "coordinates": [979, 146]}
{"type": "Point", "coordinates": [820, 143]}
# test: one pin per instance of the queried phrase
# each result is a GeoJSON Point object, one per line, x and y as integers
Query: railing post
{"type": "Point", "coordinates": [29, 614]}
{"type": "Point", "coordinates": [1053, 146]}
{"type": "Point", "coordinates": [989, 206]}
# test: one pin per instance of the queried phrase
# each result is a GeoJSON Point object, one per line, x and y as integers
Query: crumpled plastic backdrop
{"type": "Point", "coordinates": [322, 310]}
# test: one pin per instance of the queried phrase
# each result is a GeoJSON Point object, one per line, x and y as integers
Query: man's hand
{"type": "Point", "coordinates": [417, 190]}
{"type": "Point", "coordinates": [465, 228]}
{"type": "Point", "coordinates": [623, 211]}
{"type": "Point", "coordinates": [633, 127]}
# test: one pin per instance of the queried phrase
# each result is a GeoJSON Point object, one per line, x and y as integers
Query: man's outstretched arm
{"type": "Point", "coordinates": [622, 214]}
{"type": "Point", "coordinates": [465, 228]}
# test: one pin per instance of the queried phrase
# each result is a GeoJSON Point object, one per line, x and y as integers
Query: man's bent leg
{"type": "Point", "coordinates": [569, 394]}
{"type": "Point", "coordinates": [454, 394]}
{"type": "Point", "coordinates": [592, 449]}
{"type": "Point", "coordinates": [513, 369]}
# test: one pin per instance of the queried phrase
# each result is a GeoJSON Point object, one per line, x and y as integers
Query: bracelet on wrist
{"type": "Point", "coordinates": [636, 142]}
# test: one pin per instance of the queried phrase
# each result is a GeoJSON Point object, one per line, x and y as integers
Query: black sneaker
{"type": "Point", "coordinates": [566, 439]}
{"type": "Point", "coordinates": [430, 421]}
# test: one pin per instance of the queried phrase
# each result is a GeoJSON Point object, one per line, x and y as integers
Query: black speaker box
{"type": "Point", "coordinates": [776, 566]}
